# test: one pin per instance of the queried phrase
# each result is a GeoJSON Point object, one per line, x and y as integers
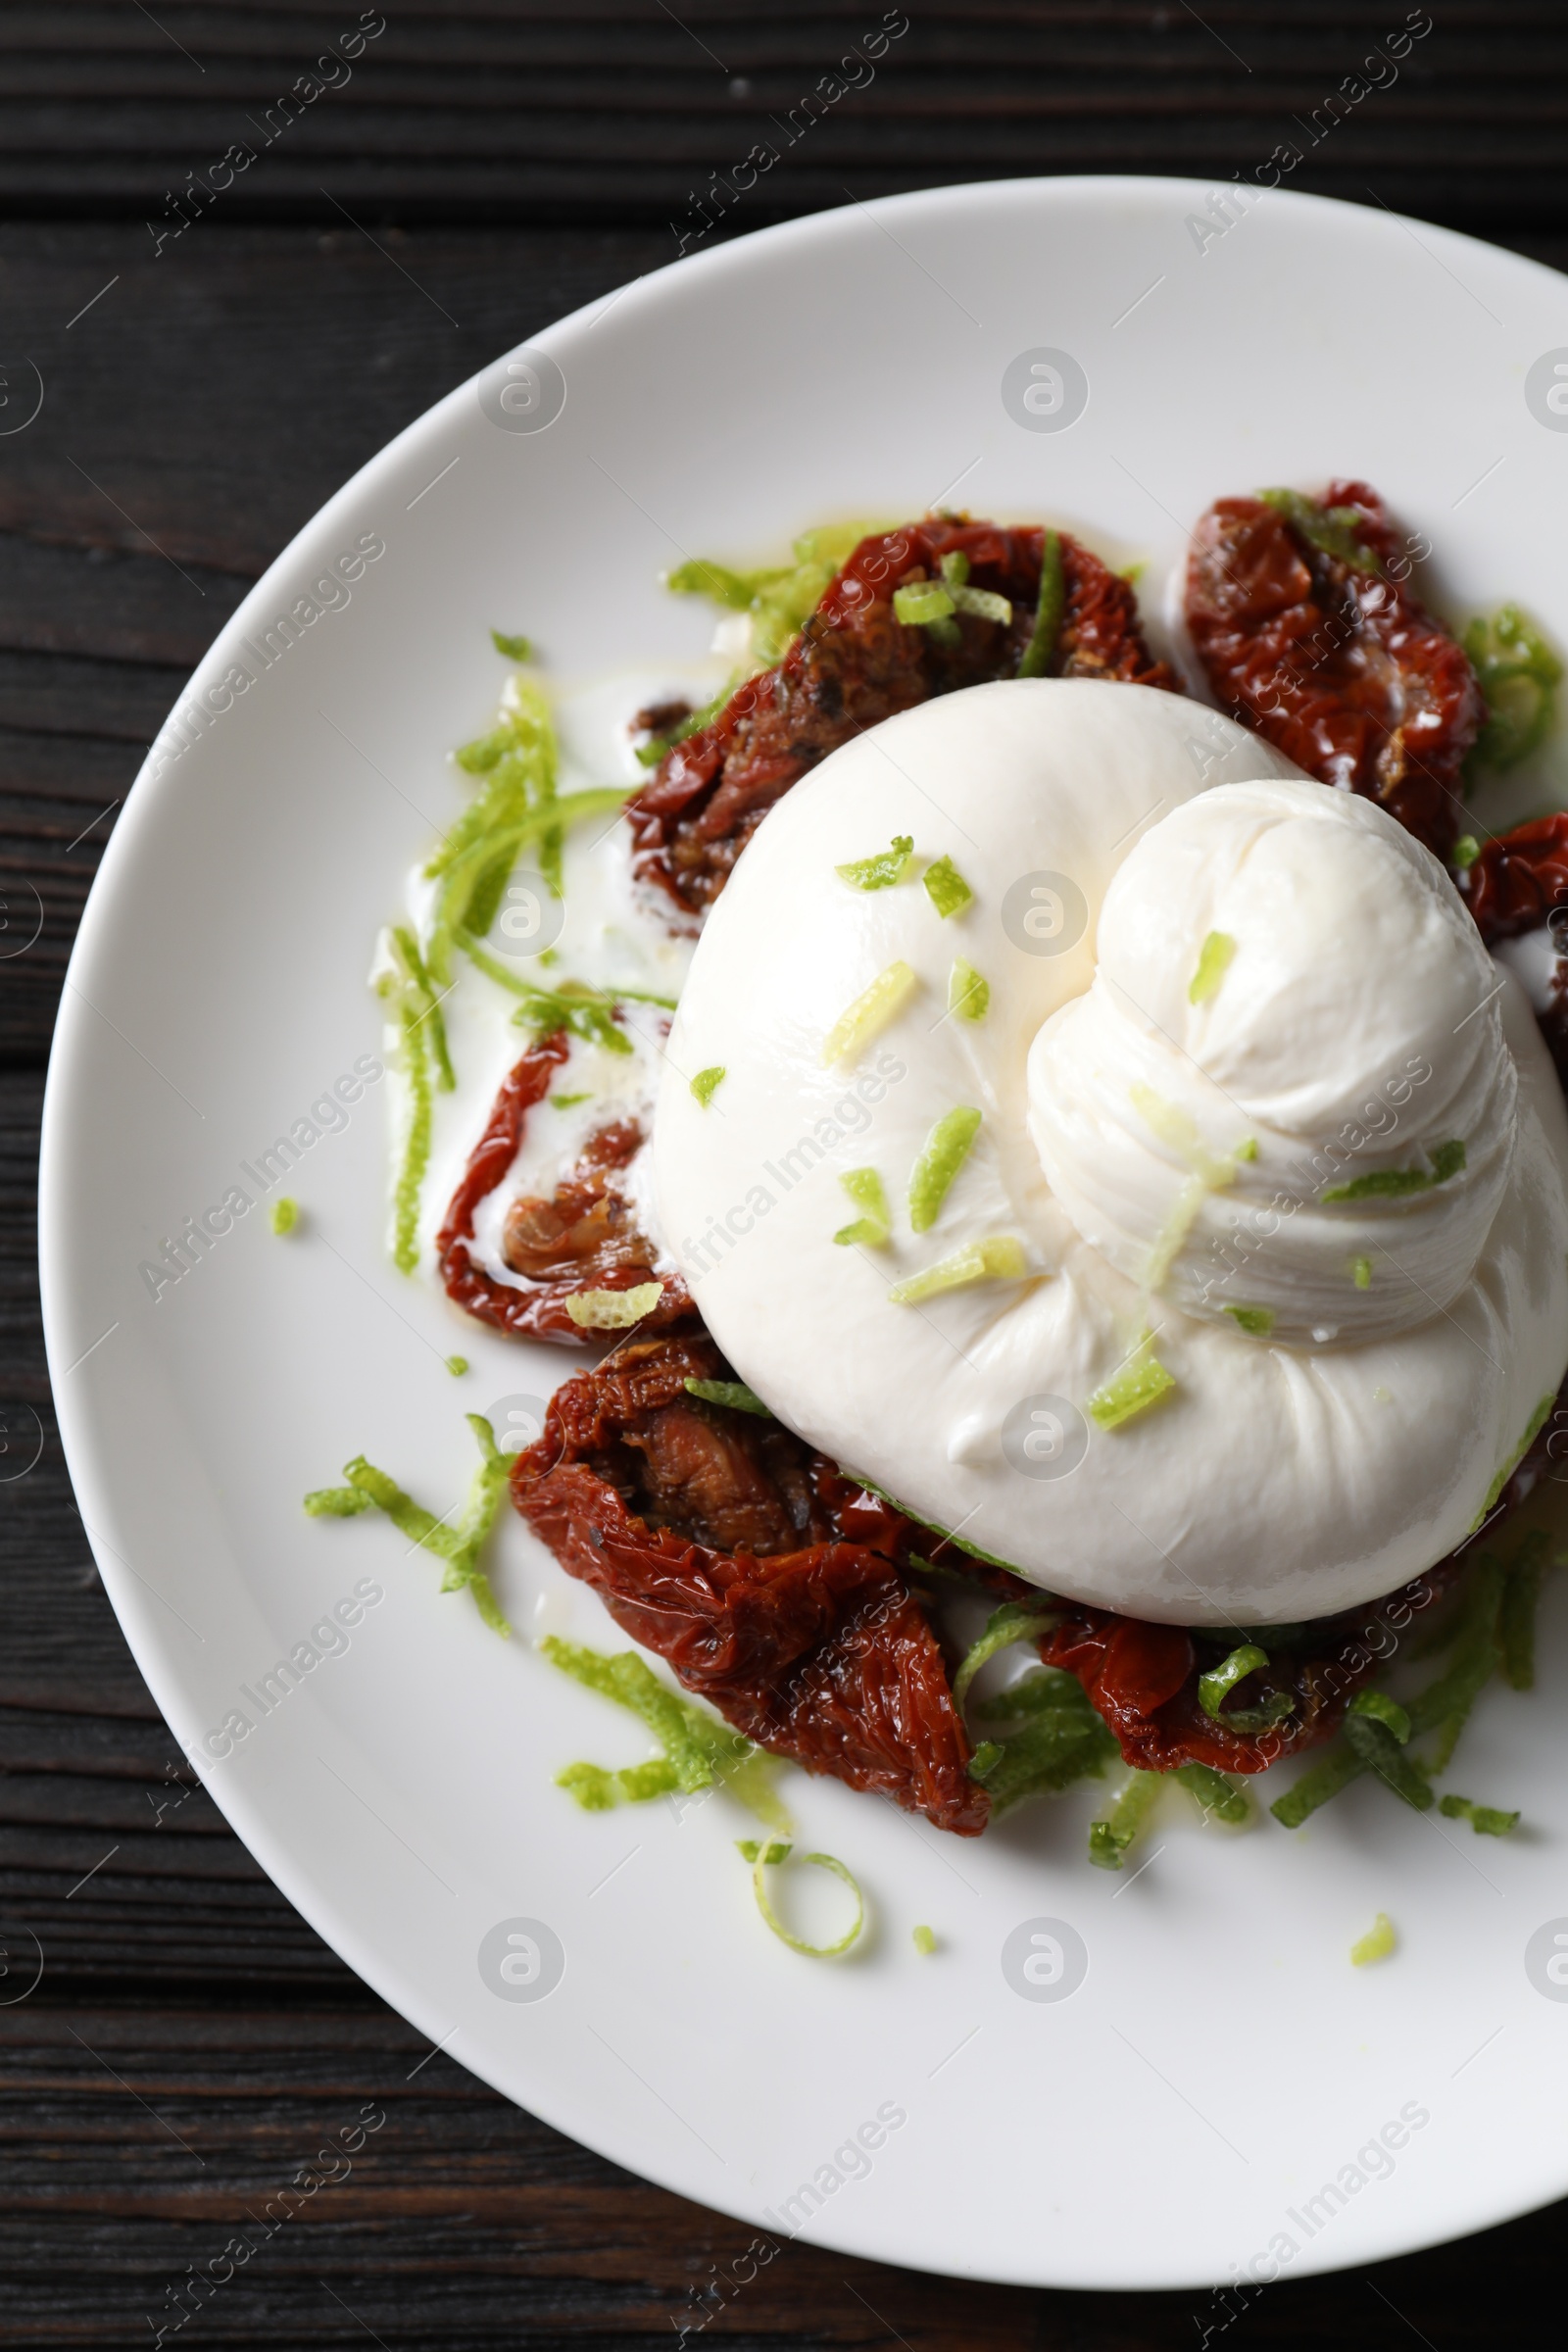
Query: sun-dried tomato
{"type": "Point", "coordinates": [855, 664]}
{"type": "Point", "coordinates": [770, 1582]}
{"type": "Point", "coordinates": [583, 1238]}
{"type": "Point", "coordinates": [1519, 883]}
{"type": "Point", "coordinates": [1325, 650]}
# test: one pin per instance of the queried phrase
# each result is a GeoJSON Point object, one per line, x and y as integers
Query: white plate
{"type": "Point", "coordinates": [1170, 2120]}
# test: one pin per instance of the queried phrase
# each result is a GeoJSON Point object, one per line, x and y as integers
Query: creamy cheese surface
{"type": "Point", "coordinates": [1156, 1160]}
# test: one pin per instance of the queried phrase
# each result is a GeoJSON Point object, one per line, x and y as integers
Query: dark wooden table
{"type": "Point", "coordinates": [485, 166]}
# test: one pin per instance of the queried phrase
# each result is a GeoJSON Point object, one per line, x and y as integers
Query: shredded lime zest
{"type": "Point", "coordinates": [568, 1101]}
{"type": "Point", "coordinates": [415, 1155]}
{"type": "Point", "coordinates": [1398, 1184]}
{"type": "Point", "coordinates": [458, 1547]}
{"type": "Point", "coordinates": [1217, 1793]}
{"type": "Point", "coordinates": [984, 604]}
{"type": "Point", "coordinates": [1361, 1273]}
{"type": "Point", "coordinates": [969, 996]}
{"type": "Point", "coordinates": [614, 1311]}
{"type": "Point", "coordinates": [1533, 1428]}
{"type": "Point", "coordinates": [1015, 1621]}
{"type": "Point", "coordinates": [1132, 573]}
{"type": "Point", "coordinates": [474, 877]}
{"type": "Point", "coordinates": [1247, 1150]}
{"type": "Point", "coordinates": [1139, 1383]}
{"type": "Point", "coordinates": [336, 1502]}
{"type": "Point", "coordinates": [780, 600]}
{"type": "Point", "coordinates": [1256, 1321]}
{"type": "Point", "coordinates": [1214, 1686]}
{"type": "Point", "coordinates": [699, 1749]}
{"type": "Point", "coordinates": [1519, 674]}
{"type": "Point", "coordinates": [1488, 1821]}
{"type": "Point", "coordinates": [1060, 1738]}
{"type": "Point", "coordinates": [578, 1005]}
{"type": "Point", "coordinates": [874, 1225]}
{"type": "Point", "coordinates": [457, 1365]}
{"type": "Point", "coordinates": [881, 872]}
{"type": "Point", "coordinates": [925, 1941]}
{"type": "Point", "coordinates": [870, 1013]}
{"type": "Point", "coordinates": [1215, 959]}
{"type": "Point", "coordinates": [1376, 1944]}
{"type": "Point", "coordinates": [1383, 1709]}
{"type": "Point", "coordinates": [733, 1393]}
{"type": "Point", "coordinates": [1317, 1785]}
{"type": "Point", "coordinates": [998, 1259]}
{"type": "Point", "coordinates": [769, 1854]}
{"type": "Point", "coordinates": [284, 1215]}
{"type": "Point", "coordinates": [954, 568]}
{"type": "Point", "coordinates": [1335, 530]}
{"type": "Point", "coordinates": [946, 887]}
{"type": "Point", "coordinates": [1516, 1618]}
{"type": "Point", "coordinates": [1048, 612]}
{"type": "Point", "coordinates": [516, 648]}
{"type": "Point", "coordinates": [707, 1083]}
{"type": "Point", "coordinates": [1110, 1836]}
{"type": "Point", "coordinates": [920, 601]}
{"type": "Point", "coordinates": [1466, 849]}
{"type": "Point", "coordinates": [1382, 1752]}
{"type": "Point", "coordinates": [942, 1155]}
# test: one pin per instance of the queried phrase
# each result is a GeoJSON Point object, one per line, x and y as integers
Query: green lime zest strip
{"type": "Point", "coordinates": [733, 1393]}
{"type": "Point", "coordinates": [1376, 1944]}
{"type": "Point", "coordinates": [881, 872]}
{"type": "Point", "coordinates": [575, 1005]}
{"type": "Point", "coordinates": [954, 568]}
{"type": "Point", "coordinates": [519, 758]}
{"type": "Point", "coordinates": [969, 996]}
{"type": "Point", "coordinates": [1466, 849]}
{"type": "Point", "coordinates": [984, 604]}
{"type": "Point", "coordinates": [925, 1941]}
{"type": "Point", "coordinates": [1220, 1680]}
{"type": "Point", "coordinates": [284, 1215]}
{"type": "Point", "coordinates": [336, 1502]}
{"type": "Point", "coordinates": [1486, 1820]}
{"type": "Point", "coordinates": [1015, 1621]}
{"type": "Point", "coordinates": [568, 1101]}
{"type": "Point", "coordinates": [415, 1147]}
{"type": "Point", "coordinates": [1532, 1429]}
{"type": "Point", "coordinates": [943, 1155]}
{"type": "Point", "coordinates": [1396, 1184]}
{"type": "Point", "coordinates": [1060, 1740]}
{"type": "Point", "coordinates": [1444, 1705]}
{"type": "Point", "coordinates": [516, 648]}
{"type": "Point", "coordinates": [614, 1311]}
{"type": "Point", "coordinates": [920, 601]}
{"type": "Point", "coordinates": [1519, 674]}
{"type": "Point", "coordinates": [1256, 1321]}
{"type": "Point", "coordinates": [458, 1547]}
{"type": "Point", "coordinates": [1516, 1621]}
{"type": "Point", "coordinates": [1215, 959]}
{"type": "Point", "coordinates": [1317, 1785]}
{"type": "Point", "coordinates": [457, 1365]}
{"type": "Point", "coordinates": [1381, 1753]}
{"type": "Point", "coordinates": [872, 1227]}
{"type": "Point", "coordinates": [1383, 1709]}
{"type": "Point", "coordinates": [411, 984]}
{"type": "Point", "coordinates": [1335, 530]}
{"type": "Point", "coordinates": [700, 1750]}
{"type": "Point", "coordinates": [761, 1856]}
{"type": "Point", "coordinates": [1217, 1793]}
{"type": "Point", "coordinates": [1049, 610]}
{"type": "Point", "coordinates": [870, 1013]}
{"type": "Point", "coordinates": [1111, 1838]}
{"type": "Point", "coordinates": [1361, 1273]}
{"type": "Point", "coordinates": [998, 1259]}
{"type": "Point", "coordinates": [946, 887]}
{"type": "Point", "coordinates": [737, 591]}
{"type": "Point", "coordinates": [707, 1083]}
{"type": "Point", "coordinates": [1139, 1383]}
{"type": "Point", "coordinates": [650, 754]}
{"type": "Point", "coordinates": [460, 904]}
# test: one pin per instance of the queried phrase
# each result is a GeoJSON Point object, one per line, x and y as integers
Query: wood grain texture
{"type": "Point", "coordinates": [191, 2045]}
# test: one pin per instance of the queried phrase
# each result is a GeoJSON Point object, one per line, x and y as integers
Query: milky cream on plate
{"type": "Point", "coordinates": [1169, 1130]}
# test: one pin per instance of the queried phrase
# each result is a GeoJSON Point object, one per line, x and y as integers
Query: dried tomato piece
{"type": "Point", "coordinates": [770, 1582]}
{"type": "Point", "coordinates": [855, 664]}
{"type": "Point", "coordinates": [583, 1238]}
{"type": "Point", "coordinates": [1520, 883]}
{"type": "Point", "coordinates": [1300, 615]}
